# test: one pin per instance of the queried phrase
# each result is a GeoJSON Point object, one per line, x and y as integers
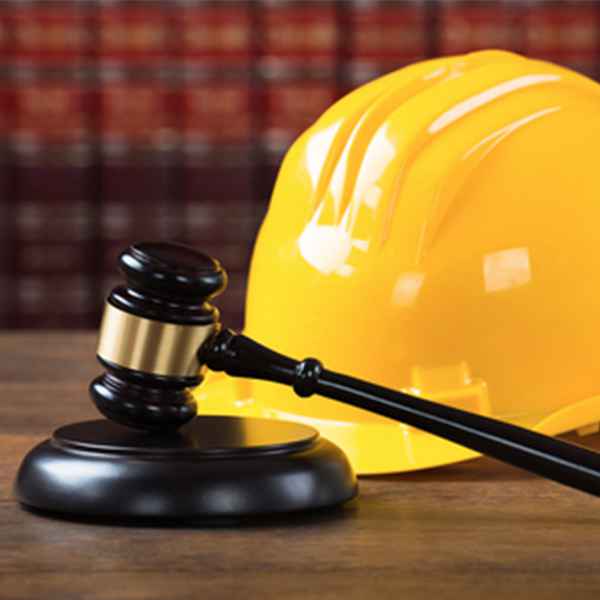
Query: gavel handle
{"type": "Point", "coordinates": [554, 459]}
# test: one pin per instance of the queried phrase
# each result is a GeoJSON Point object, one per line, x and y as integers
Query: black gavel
{"type": "Point", "coordinates": [165, 282]}
{"type": "Point", "coordinates": [154, 458]}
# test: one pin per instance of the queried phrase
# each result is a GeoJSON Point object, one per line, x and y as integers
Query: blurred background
{"type": "Point", "coordinates": [130, 120]}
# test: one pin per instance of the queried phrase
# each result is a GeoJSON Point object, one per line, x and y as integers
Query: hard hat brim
{"type": "Point", "coordinates": [379, 447]}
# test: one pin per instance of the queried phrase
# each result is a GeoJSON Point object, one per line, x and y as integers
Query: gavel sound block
{"type": "Point", "coordinates": [152, 457]}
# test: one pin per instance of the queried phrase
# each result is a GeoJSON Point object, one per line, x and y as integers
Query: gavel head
{"type": "Point", "coordinates": [151, 332]}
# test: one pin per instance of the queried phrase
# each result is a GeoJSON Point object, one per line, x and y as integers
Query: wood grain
{"type": "Point", "coordinates": [475, 530]}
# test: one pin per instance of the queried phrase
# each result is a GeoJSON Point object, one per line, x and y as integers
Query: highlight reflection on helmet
{"type": "Point", "coordinates": [436, 230]}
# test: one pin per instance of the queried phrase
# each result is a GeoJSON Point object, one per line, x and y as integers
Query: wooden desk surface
{"type": "Point", "coordinates": [476, 530]}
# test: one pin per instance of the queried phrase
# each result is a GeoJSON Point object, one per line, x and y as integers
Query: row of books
{"type": "Point", "coordinates": [69, 224]}
{"type": "Point", "coordinates": [303, 33]}
{"type": "Point", "coordinates": [123, 120]}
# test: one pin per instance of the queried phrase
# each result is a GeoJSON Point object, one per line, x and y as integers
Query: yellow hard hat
{"type": "Point", "coordinates": [438, 231]}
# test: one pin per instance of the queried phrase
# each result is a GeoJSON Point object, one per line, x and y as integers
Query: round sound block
{"type": "Point", "coordinates": [213, 467]}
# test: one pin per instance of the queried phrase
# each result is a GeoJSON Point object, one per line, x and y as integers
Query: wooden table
{"type": "Point", "coordinates": [476, 530]}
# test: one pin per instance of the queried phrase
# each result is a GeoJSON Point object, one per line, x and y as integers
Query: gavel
{"type": "Point", "coordinates": [159, 334]}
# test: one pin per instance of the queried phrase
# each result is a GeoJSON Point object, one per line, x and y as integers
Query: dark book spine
{"type": "Point", "coordinates": [7, 242]}
{"type": "Point", "coordinates": [221, 217]}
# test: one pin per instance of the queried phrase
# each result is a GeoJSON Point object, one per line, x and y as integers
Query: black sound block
{"type": "Point", "coordinates": [213, 467]}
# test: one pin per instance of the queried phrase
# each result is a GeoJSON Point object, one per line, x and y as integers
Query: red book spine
{"type": "Point", "coordinates": [213, 36]}
{"type": "Point", "coordinates": [216, 102]}
{"type": "Point", "coordinates": [137, 130]}
{"type": "Point", "coordinates": [299, 46]}
{"type": "Point", "coordinates": [383, 36]}
{"type": "Point", "coordinates": [466, 26]}
{"type": "Point", "coordinates": [51, 141]}
{"type": "Point", "coordinates": [298, 35]}
{"type": "Point", "coordinates": [566, 32]}
{"type": "Point", "coordinates": [136, 172]}
{"type": "Point", "coordinates": [50, 33]}
{"type": "Point", "coordinates": [289, 106]}
{"type": "Point", "coordinates": [132, 32]}
{"type": "Point", "coordinates": [217, 172]}
{"type": "Point", "coordinates": [216, 112]}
